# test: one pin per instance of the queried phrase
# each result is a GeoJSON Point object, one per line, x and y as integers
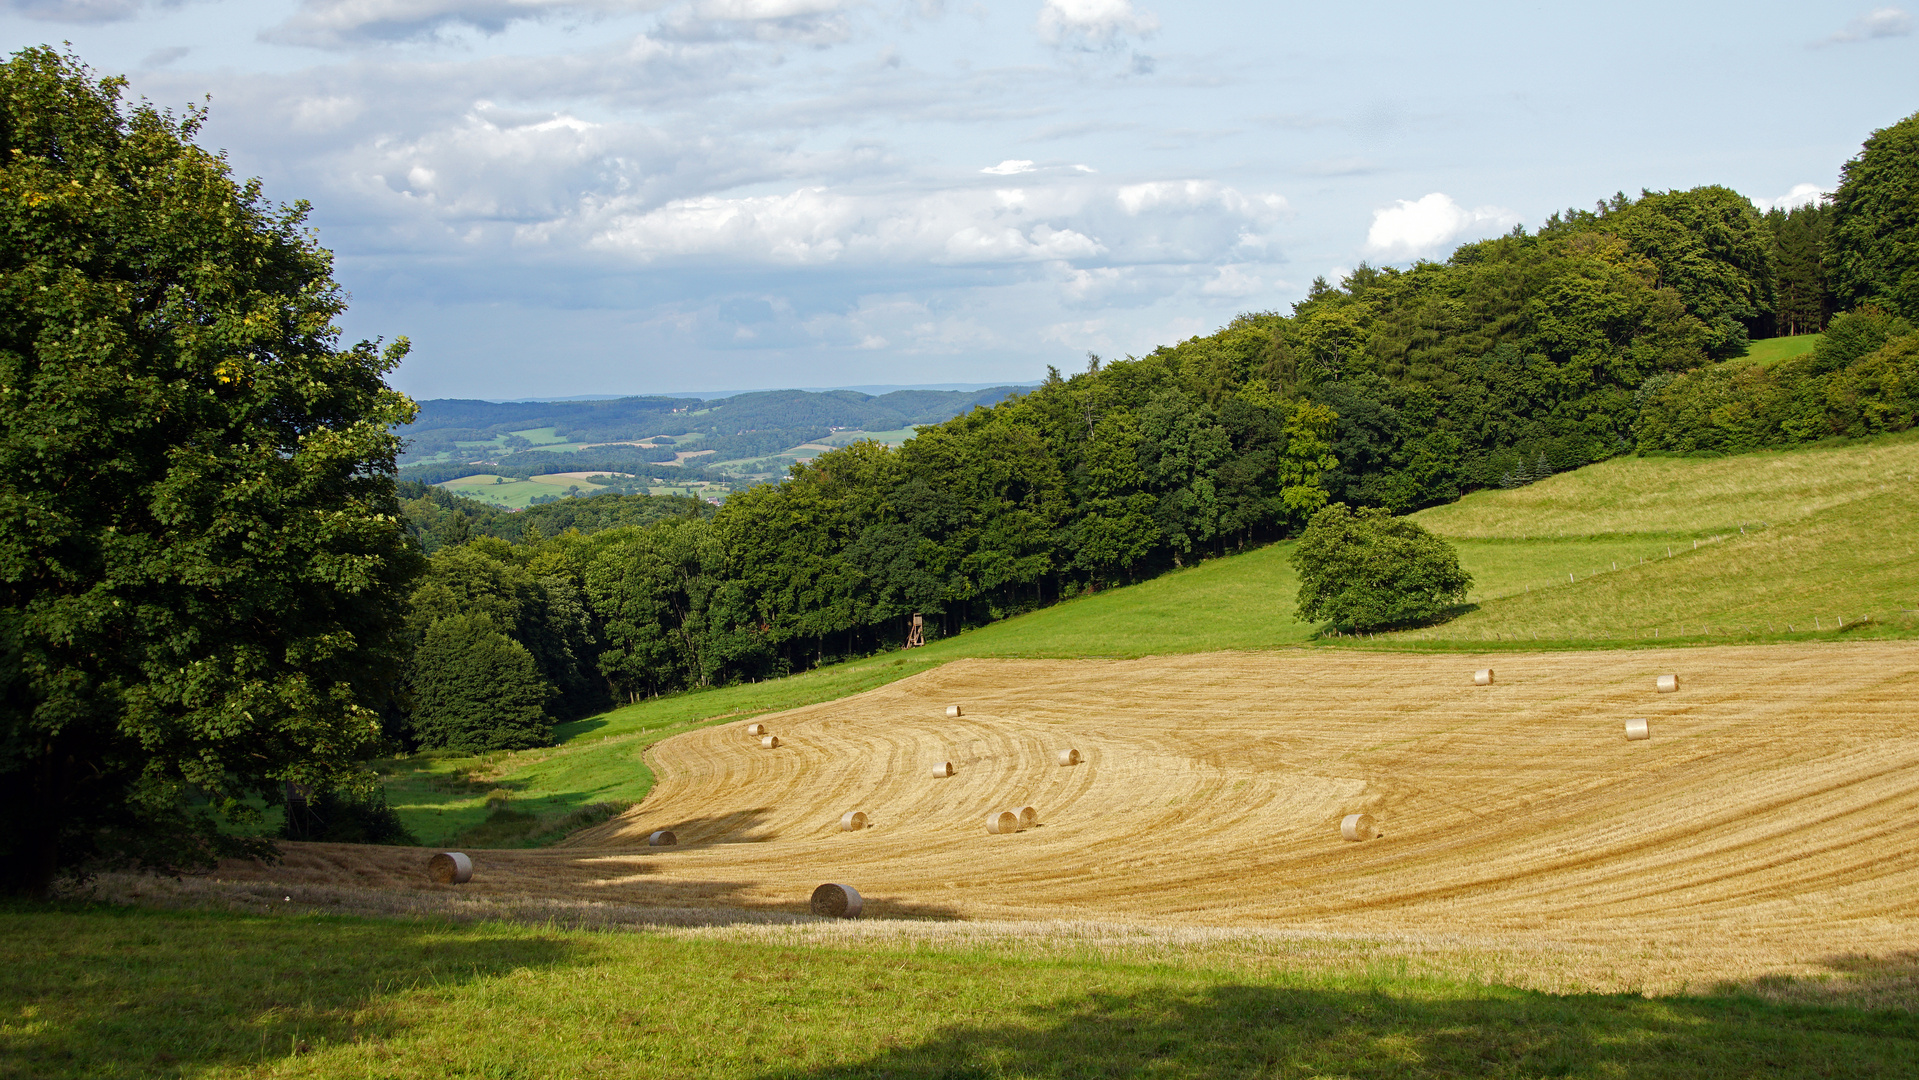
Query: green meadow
{"type": "Point", "coordinates": [1770, 351]}
{"type": "Point", "coordinates": [105, 994]}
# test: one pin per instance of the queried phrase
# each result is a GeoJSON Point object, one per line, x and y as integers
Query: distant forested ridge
{"type": "Point", "coordinates": [1605, 331]}
{"type": "Point", "coordinates": [450, 433]}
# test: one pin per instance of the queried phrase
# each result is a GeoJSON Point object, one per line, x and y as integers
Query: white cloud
{"type": "Point", "coordinates": [346, 23]}
{"type": "Point", "coordinates": [1427, 226]}
{"type": "Point", "coordinates": [1800, 195]}
{"type": "Point", "coordinates": [1882, 22]}
{"type": "Point", "coordinates": [77, 11]}
{"type": "Point", "coordinates": [1008, 167]}
{"type": "Point", "coordinates": [1093, 24]}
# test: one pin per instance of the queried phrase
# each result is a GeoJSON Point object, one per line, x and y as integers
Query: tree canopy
{"type": "Point", "coordinates": [201, 559]}
{"type": "Point", "coordinates": [1370, 570]}
{"type": "Point", "coordinates": [1875, 222]}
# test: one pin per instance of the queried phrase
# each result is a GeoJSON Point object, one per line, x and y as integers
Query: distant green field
{"type": "Point", "coordinates": [513, 494]}
{"type": "Point", "coordinates": [283, 992]}
{"type": "Point", "coordinates": [1772, 350]}
{"type": "Point", "coordinates": [848, 438]}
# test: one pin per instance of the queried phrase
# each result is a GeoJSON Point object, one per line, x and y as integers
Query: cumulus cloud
{"type": "Point", "coordinates": [1885, 22]}
{"type": "Point", "coordinates": [1428, 225]}
{"type": "Point", "coordinates": [348, 23]}
{"type": "Point", "coordinates": [813, 22]}
{"type": "Point", "coordinates": [1800, 195]}
{"type": "Point", "coordinates": [1009, 167]}
{"type": "Point", "coordinates": [1093, 25]}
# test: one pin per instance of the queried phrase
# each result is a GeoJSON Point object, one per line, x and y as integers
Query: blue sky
{"type": "Point", "coordinates": [556, 197]}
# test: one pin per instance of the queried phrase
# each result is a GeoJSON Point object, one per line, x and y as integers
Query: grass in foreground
{"type": "Point", "coordinates": [106, 993]}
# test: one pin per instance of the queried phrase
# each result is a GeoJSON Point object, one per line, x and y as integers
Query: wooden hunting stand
{"type": "Point", "coordinates": [916, 633]}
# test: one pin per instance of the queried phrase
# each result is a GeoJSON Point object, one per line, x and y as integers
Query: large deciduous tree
{"type": "Point", "coordinates": [201, 559]}
{"type": "Point", "coordinates": [1873, 249]}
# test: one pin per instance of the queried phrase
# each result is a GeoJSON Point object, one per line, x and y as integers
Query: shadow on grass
{"type": "Point", "coordinates": [1856, 981]}
{"type": "Point", "coordinates": [137, 993]}
{"type": "Point", "coordinates": [1243, 1031]}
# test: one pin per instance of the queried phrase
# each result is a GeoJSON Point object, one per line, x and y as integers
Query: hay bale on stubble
{"type": "Point", "coordinates": [955, 710]}
{"type": "Point", "coordinates": [1357, 827]}
{"type": "Point", "coordinates": [943, 769]}
{"type": "Point", "coordinates": [852, 821]}
{"type": "Point", "coordinates": [662, 838]}
{"type": "Point", "coordinates": [1668, 684]}
{"type": "Point", "coordinates": [1483, 677]}
{"type": "Point", "coordinates": [756, 729]}
{"type": "Point", "coordinates": [450, 868]}
{"type": "Point", "coordinates": [1637, 730]}
{"type": "Point", "coordinates": [837, 901]}
{"type": "Point", "coordinates": [1069, 757]}
{"type": "Point", "coordinates": [1002, 821]}
{"type": "Point", "coordinates": [1028, 817]}
{"type": "Point", "coordinates": [771, 742]}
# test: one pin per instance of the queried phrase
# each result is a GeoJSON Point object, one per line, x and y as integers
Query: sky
{"type": "Point", "coordinates": [569, 197]}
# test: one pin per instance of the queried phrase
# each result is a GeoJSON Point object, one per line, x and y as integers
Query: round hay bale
{"type": "Point", "coordinates": [756, 729]}
{"type": "Point", "coordinates": [853, 821]}
{"type": "Point", "coordinates": [1069, 757]}
{"type": "Point", "coordinates": [663, 838]}
{"type": "Point", "coordinates": [1636, 730]}
{"type": "Point", "coordinates": [1002, 821]}
{"type": "Point", "coordinates": [771, 742]}
{"type": "Point", "coordinates": [1357, 827]}
{"type": "Point", "coordinates": [837, 901]}
{"type": "Point", "coordinates": [1483, 677]}
{"type": "Point", "coordinates": [1028, 817]}
{"type": "Point", "coordinates": [1668, 684]}
{"type": "Point", "coordinates": [955, 710]}
{"type": "Point", "coordinates": [944, 768]}
{"type": "Point", "coordinates": [450, 868]}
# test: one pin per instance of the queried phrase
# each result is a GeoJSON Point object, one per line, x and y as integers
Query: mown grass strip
{"type": "Point", "coordinates": [132, 993]}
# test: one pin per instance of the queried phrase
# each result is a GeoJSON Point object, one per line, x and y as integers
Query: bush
{"type": "Point", "coordinates": [352, 815]}
{"type": "Point", "coordinates": [475, 689]}
{"type": "Point", "coordinates": [1370, 570]}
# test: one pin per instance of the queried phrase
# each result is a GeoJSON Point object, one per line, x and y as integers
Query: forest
{"type": "Point", "coordinates": [1619, 329]}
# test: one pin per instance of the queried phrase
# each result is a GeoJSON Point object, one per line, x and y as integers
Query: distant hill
{"type": "Point", "coordinates": [743, 437]}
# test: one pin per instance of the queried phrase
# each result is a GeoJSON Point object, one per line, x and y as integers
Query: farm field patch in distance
{"type": "Point", "coordinates": [1764, 827]}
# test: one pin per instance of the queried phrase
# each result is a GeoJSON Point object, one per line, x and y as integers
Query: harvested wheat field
{"type": "Point", "coordinates": [1770, 822]}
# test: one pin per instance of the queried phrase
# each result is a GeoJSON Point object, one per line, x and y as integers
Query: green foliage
{"type": "Point", "coordinates": [475, 689]}
{"type": "Point", "coordinates": [1799, 238]}
{"type": "Point", "coordinates": [1862, 379]}
{"type": "Point", "coordinates": [439, 518]}
{"type": "Point", "coordinates": [1370, 570]}
{"type": "Point", "coordinates": [200, 550]}
{"type": "Point", "coordinates": [1874, 244]}
{"type": "Point", "coordinates": [357, 813]}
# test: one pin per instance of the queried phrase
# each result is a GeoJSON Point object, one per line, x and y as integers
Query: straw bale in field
{"type": "Point", "coordinates": [1483, 677]}
{"type": "Point", "coordinates": [1636, 730]}
{"type": "Point", "coordinates": [771, 742]}
{"type": "Point", "coordinates": [955, 710]}
{"type": "Point", "coordinates": [1668, 684]}
{"type": "Point", "coordinates": [852, 821]}
{"type": "Point", "coordinates": [837, 901]}
{"type": "Point", "coordinates": [944, 768]}
{"type": "Point", "coordinates": [450, 868]}
{"type": "Point", "coordinates": [1002, 821]}
{"type": "Point", "coordinates": [662, 838]}
{"type": "Point", "coordinates": [1357, 827]}
{"type": "Point", "coordinates": [1028, 817]}
{"type": "Point", "coordinates": [1069, 757]}
{"type": "Point", "coordinates": [756, 729]}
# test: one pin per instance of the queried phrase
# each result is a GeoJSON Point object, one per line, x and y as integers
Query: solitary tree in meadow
{"type": "Point", "coordinates": [1370, 570]}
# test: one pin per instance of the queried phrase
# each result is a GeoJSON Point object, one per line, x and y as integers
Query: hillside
{"type": "Point", "coordinates": [1818, 547]}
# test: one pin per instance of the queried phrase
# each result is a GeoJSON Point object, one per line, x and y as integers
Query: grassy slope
{"type": "Point", "coordinates": [1835, 543]}
{"type": "Point", "coordinates": [1772, 350]}
{"type": "Point", "coordinates": [133, 993]}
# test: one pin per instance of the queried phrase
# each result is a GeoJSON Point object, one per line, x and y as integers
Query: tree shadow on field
{"type": "Point", "coordinates": [95, 990]}
{"type": "Point", "coordinates": [1857, 981]}
{"type": "Point", "coordinates": [1246, 1031]}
